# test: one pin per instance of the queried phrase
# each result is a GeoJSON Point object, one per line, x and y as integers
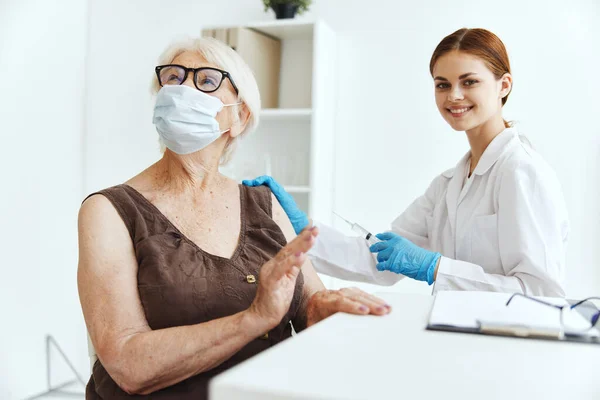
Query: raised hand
{"type": "Point", "coordinates": [277, 279]}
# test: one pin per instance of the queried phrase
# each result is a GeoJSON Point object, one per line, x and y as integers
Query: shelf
{"type": "Point", "coordinates": [294, 141]}
{"type": "Point", "coordinates": [285, 113]}
{"type": "Point", "coordinates": [280, 29]}
{"type": "Point", "coordinates": [297, 189]}
{"type": "Point", "coordinates": [285, 29]}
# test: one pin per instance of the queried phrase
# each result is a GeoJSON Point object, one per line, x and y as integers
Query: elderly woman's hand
{"type": "Point", "coordinates": [349, 300]}
{"type": "Point", "coordinates": [277, 279]}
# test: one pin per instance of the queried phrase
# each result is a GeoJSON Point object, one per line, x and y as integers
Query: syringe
{"type": "Point", "coordinates": [371, 239]}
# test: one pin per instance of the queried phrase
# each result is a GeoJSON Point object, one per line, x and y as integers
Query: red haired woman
{"type": "Point", "coordinates": [496, 221]}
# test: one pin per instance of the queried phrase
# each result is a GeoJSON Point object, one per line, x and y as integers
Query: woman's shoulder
{"type": "Point", "coordinates": [106, 192]}
{"type": "Point", "coordinates": [523, 169]}
{"type": "Point", "coordinates": [258, 195]}
{"type": "Point", "coordinates": [99, 213]}
{"type": "Point", "coordinates": [111, 197]}
{"type": "Point", "coordinates": [96, 202]}
{"type": "Point", "coordinates": [114, 204]}
{"type": "Point", "coordinates": [524, 159]}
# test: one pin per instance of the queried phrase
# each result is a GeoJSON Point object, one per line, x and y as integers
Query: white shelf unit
{"type": "Point", "coordinates": [283, 114]}
{"type": "Point", "coordinates": [295, 141]}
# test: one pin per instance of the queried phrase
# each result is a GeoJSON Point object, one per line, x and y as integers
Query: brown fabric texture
{"type": "Point", "coordinates": [180, 284]}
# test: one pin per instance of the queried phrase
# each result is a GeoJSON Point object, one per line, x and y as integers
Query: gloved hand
{"type": "Point", "coordinates": [297, 217]}
{"type": "Point", "coordinates": [401, 256]}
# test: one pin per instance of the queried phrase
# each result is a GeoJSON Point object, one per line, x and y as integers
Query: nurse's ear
{"type": "Point", "coordinates": [505, 86]}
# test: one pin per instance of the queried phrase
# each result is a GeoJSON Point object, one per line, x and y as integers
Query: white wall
{"type": "Point", "coordinates": [126, 38]}
{"type": "Point", "coordinates": [391, 125]}
{"type": "Point", "coordinates": [42, 50]}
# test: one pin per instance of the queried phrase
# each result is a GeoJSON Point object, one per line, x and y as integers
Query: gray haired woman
{"type": "Point", "coordinates": [183, 273]}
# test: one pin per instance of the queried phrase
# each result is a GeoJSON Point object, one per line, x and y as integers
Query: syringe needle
{"type": "Point", "coordinates": [339, 216]}
{"type": "Point", "coordinates": [359, 229]}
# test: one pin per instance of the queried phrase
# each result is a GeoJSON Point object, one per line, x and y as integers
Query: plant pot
{"type": "Point", "coordinates": [285, 10]}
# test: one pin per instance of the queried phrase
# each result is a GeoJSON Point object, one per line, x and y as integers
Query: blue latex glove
{"type": "Point", "coordinates": [297, 217]}
{"type": "Point", "coordinates": [402, 256]}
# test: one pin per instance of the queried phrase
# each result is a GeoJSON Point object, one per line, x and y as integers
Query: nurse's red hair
{"type": "Point", "coordinates": [480, 43]}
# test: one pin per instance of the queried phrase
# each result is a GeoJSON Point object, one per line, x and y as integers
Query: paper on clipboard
{"type": "Point", "coordinates": [472, 309]}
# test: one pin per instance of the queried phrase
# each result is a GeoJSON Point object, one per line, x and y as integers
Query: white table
{"type": "Point", "coordinates": [394, 357]}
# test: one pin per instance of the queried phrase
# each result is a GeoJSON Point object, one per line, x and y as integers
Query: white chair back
{"type": "Point", "coordinates": [91, 353]}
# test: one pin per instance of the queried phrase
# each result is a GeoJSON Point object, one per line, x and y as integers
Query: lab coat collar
{"type": "Point", "coordinates": [453, 191]}
{"type": "Point", "coordinates": [495, 149]}
{"type": "Point", "coordinates": [491, 154]}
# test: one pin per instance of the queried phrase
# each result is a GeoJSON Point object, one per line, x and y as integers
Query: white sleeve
{"type": "Point", "coordinates": [347, 257]}
{"type": "Point", "coordinates": [412, 223]}
{"type": "Point", "coordinates": [532, 235]}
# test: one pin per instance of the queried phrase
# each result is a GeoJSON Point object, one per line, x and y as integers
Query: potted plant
{"type": "Point", "coordinates": [287, 8]}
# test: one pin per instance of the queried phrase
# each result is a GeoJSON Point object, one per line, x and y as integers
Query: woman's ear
{"type": "Point", "coordinates": [506, 85]}
{"type": "Point", "coordinates": [242, 120]}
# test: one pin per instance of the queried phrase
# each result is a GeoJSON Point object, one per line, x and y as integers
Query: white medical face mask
{"type": "Point", "coordinates": [185, 118]}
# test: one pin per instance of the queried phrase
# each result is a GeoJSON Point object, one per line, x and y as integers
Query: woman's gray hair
{"type": "Point", "coordinates": [224, 57]}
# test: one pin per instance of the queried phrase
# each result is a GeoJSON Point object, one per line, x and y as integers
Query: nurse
{"type": "Point", "coordinates": [497, 221]}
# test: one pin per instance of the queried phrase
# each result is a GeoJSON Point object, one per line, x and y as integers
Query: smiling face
{"type": "Point", "coordinates": [467, 93]}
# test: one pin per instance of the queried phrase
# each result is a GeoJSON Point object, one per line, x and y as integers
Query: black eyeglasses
{"type": "Point", "coordinates": [588, 310]}
{"type": "Point", "coordinates": [206, 79]}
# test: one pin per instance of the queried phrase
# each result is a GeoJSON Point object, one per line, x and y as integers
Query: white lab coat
{"type": "Point", "coordinates": [504, 229]}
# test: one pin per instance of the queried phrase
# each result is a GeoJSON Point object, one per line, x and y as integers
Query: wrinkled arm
{"type": "Point", "coordinates": [139, 359]}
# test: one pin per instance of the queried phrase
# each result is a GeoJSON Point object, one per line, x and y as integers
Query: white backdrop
{"type": "Point", "coordinates": [42, 62]}
{"type": "Point", "coordinates": [391, 142]}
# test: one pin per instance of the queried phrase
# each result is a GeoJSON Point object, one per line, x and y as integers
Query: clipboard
{"type": "Point", "coordinates": [486, 313]}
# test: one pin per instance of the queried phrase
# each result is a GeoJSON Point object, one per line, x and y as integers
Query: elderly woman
{"type": "Point", "coordinates": [183, 273]}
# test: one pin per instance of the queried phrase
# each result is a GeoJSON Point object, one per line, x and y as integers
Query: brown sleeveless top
{"type": "Point", "coordinates": [180, 284]}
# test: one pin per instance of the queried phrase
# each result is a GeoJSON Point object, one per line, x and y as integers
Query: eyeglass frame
{"type": "Point", "coordinates": [593, 321]}
{"type": "Point", "coordinates": [187, 70]}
